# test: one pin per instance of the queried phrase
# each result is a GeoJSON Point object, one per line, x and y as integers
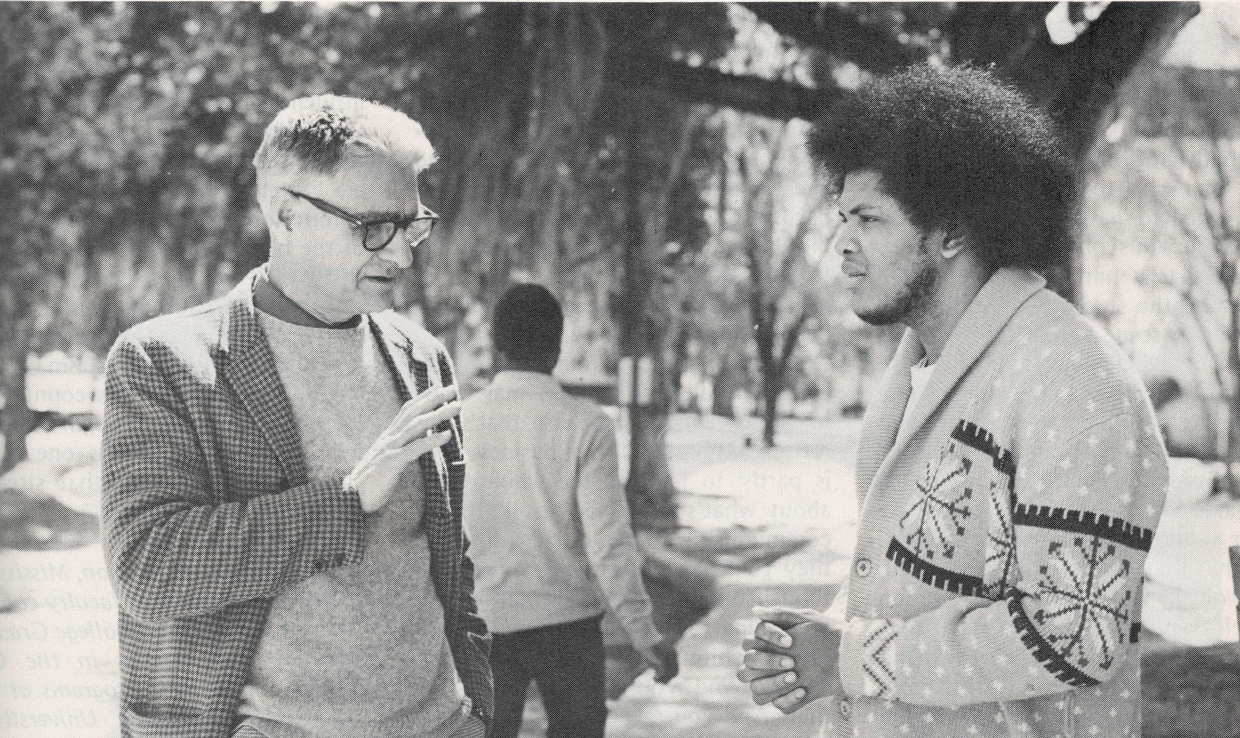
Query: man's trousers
{"type": "Point", "coordinates": [567, 662]}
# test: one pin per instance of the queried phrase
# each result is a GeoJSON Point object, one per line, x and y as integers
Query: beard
{"type": "Point", "coordinates": [913, 298]}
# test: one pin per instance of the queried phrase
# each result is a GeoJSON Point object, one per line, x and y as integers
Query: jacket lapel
{"type": "Point", "coordinates": [413, 374]}
{"type": "Point", "coordinates": [396, 352]}
{"type": "Point", "coordinates": [442, 527]}
{"type": "Point", "coordinates": [251, 372]}
{"type": "Point", "coordinates": [879, 427]}
{"type": "Point", "coordinates": [990, 311]}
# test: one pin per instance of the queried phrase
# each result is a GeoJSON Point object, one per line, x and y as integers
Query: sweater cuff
{"type": "Point", "coordinates": [867, 663]}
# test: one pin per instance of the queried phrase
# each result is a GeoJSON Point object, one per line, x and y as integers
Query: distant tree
{"type": "Point", "coordinates": [784, 282]}
{"type": "Point", "coordinates": [1170, 193]}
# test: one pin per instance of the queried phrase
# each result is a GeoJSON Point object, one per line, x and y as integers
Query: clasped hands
{"type": "Point", "coordinates": [793, 658]}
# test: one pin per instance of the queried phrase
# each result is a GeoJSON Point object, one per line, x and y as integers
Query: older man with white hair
{"type": "Point", "coordinates": [283, 474]}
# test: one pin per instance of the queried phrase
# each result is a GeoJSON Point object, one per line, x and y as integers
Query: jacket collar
{"type": "Point", "coordinates": [251, 371]}
{"type": "Point", "coordinates": [991, 309]}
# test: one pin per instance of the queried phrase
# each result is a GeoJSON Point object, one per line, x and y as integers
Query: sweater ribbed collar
{"type": "Point", "coordinates": [991, 309]}
{"type": "Point", "coordinates": [523, 380]}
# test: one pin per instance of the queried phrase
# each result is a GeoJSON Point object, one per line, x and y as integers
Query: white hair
{"type": "Point", "coordinates": [314, 135]}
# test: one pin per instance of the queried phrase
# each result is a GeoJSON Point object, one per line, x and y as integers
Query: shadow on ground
{"type": "Point", "coordinates": [43, 523]}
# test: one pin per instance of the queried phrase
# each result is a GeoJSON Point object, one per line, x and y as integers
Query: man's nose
{"type": "Point", "coordinates": [845, 240]}
{"type": "Point", "coordinates": [398, 251]}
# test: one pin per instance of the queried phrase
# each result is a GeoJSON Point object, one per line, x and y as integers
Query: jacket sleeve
{"type": "Point", "coordinates": [474, 661]}
{"type": "Point", "coordinates": [608, 531]}
{"type": "Point", "coordinates": [1067, 614]}
{"type": "Point", "coordinates": [172, 551]}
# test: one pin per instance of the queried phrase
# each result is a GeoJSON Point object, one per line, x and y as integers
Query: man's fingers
{"type": "Point", "coordinates": [763, 677]}
{"type": "Point", "coordinates": [421, 445]}
{"type": "Point", "coordinates": [763, 682]}
{"type": "Point", "coordinates": [790, 702]}
{"type": "Point", "coordinates": [784, 616]}
{"type": "Point", "coordinates": [753, 644]}
{"type": "Point", "coordinates": [772, 634]}
{"type": "Point", "coordinates": [766, 661]}
{"type": "Point", "coordinates": [418, 425]}
{"type": "Point", "coordinates": [760, 686]}
{"type": "Point", "coordinates": [420, 404]}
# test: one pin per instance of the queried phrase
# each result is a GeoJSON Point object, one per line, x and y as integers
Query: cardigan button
{"type": "Point", "coordinates": [863, 567]}
{"type": "Point", "coordinates": [845, 707]}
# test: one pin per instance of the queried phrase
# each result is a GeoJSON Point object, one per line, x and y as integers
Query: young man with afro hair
{"type": "Point", "coordinates": [1010, 473]}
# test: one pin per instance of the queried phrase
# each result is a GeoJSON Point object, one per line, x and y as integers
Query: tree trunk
{"type": "Point", "coordinates": [650, 488]}
{"type": "Point", "coordinates": [1232, 456]}
{"type": "Point", "coordinates": [770, 413]}
{"type": "Point", "coordinates": [727, 382]}
{"type": "Point", "coordinates": [772, 383]}
{"type": "Point", "coordinates": [16, 419]}
{"type": "Point", "coordinates": [481, 178]}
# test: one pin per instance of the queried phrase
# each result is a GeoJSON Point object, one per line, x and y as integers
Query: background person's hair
{"type": "Point", "coordinates": [315, 134]}
{"type": "Point", "coordinates": [961, 151]}
{"type": "Point", "coordinates": [528, 323]}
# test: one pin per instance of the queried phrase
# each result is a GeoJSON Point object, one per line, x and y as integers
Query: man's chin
{"type": "Point", "coordinates": [377, 291]}
{"type": "Point", "coordinates": [879, 316]}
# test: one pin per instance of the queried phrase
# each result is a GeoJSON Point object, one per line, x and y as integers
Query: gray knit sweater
{"type": "Point", "coordinates": [356, 651]}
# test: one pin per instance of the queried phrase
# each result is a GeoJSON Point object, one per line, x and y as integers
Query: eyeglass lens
{"type": "Point", "coordinates": [378, 235]}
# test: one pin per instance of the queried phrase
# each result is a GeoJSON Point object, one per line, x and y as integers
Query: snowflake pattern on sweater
{"type": "Point", "coordinates": [1012, 521]}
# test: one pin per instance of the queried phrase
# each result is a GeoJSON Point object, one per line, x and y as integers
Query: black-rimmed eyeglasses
{"type": "Point", "coordinates": [379, 233]}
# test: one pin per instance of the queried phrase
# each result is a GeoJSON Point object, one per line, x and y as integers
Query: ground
{"type": "Point", "coordinates": [741, 508]}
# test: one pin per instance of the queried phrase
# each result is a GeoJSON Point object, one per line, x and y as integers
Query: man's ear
{"type": "Point", "coordinates": [282, 206]}
{"type": "Point", "coordinates": [285, 215]}
{"type": "Point", "coordinates": [954, 241]}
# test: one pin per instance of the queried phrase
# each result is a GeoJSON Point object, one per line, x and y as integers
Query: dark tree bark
{"type": "Point", "coordinates": [771, 98]}
{"type": "Point", "coordinates": [16, 419]}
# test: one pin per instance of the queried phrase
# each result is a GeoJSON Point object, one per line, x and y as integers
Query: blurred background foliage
{"type": "Point", "coordinates": [644, 161]}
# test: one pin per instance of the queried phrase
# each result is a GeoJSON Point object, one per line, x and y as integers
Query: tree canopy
{"type": "Point", "coordinates": [573, 138]}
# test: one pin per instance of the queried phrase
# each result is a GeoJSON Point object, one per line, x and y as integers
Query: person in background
{"type": "Point", "coordinates": [282, 475]}
{"type": "Point", "coordinates": [554, 544]}
{"type": "Point", "coordinates": [1010, 474]}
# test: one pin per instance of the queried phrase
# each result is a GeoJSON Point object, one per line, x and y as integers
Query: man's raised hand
{"type": "Point", "coordinates": [406, 438]}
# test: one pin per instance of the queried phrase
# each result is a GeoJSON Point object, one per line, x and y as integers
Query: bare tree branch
{"type": "Point", "coordinates": [1077, 82]}
{"type": "Point", "coordinates": [837, 31]}
{"type": "Point", "coordinates": [771, 98]}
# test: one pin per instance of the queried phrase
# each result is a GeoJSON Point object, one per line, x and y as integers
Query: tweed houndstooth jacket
{"type": "Point", "coordinates": [208, 512]}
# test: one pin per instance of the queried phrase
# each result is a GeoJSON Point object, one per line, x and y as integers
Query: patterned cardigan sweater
{"type": "Point", "coordinates": [996, 584]}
